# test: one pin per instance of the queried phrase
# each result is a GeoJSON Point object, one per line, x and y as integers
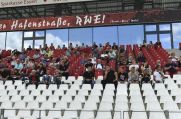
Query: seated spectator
{"type": "Point", "coordinates": [133, 75]}
{"type": "Point", "coordinates": [100, 48]}
{"type": "Point", "coordinates": [2, 65]}
{"type": "Point", "coordinates": [63, 67]}
{"type": "Point", "coordinates": [171, 68]}
{"type": "Point", "coordinates": [130, 58]}
{"type": "Point", "coordinates": [41, 70]}
{"type": "Point", "coordinates": [122, 59]}
{"type": "Point", "coordinates": [13, 62]}
{"type": "Point", "coordinates": [173, 57]}
{"type": "Point", "coordinates": [45, 59]}
{"type": "Point", "coordinates": [43, 51]}
{"type": "Point", "coordinates": [158, 75]}
{"type": "Point", "coordinates": [5, 74]}
{"type": "Point", "coordinates": [30, 64]}
{"type": "Point", "coordinates": [47, 77]}
{"type": "Point", "coordinates": [115, 47]}
{"type": "Point", "coordinates": [89, 76]}
{"type": "Point", "coordinates": [22, 56]}
{"type": "Point", "coordinates": [36, 55]}
{"type": "Point", "coordinates": [15, 75]}
{"type": "Point", "coordinates": [135, 65]}
{"type": "Point", "coordinates": [18, 65]}
{"type": "Point", "coordinates": [140, 57]}
{"type": "Point", "coordinates": [50, 53]}
{"type": "Point", "coordinates": [99, 65]}
{"type": "Point", "coordinates": [110, 77]}
{"type": "Point", "coordinates": [145, 78]}
{"type": "Point", "coordinates": [104, 55]}
{"type": "Point", "coordinates": [96, 52]}
{"type": "Point", "coordinates": [121, 50]}
{"type": "Point", "coordinates": [112, 54]}
{"type": "Point", "coordinates": [144, 67]}
{"type": "Point", "coordinates": [34, 77]}
{"type": "Point", "coordinates": [158, 63]}
{"type": "Point", "coordinates": [88, 63]}
{"type": "Point", "coordinates": [122, 75]}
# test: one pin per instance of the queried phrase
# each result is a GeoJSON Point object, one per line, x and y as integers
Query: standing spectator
{"type": "Point", "coordinates": [158, 75]}
{"type": "Point", "coordinates": [110, 77]}
{"type": "Point", "coordinates": [133, 76]}
{"type": "Point", "coordinates": [89, 76]}
{"type": "Point", "coordinates": [29, 48]}
{"type": "Point", "coordinates": [52, 46]}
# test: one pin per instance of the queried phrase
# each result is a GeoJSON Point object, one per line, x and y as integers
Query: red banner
{"type": "Point", "coordinates": [90, 20]}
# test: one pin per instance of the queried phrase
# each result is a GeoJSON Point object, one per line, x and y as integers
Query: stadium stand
{"type": "Point", "coordinates": [90, 81]}
{"type": "Point", "coordinates": [39, 90]}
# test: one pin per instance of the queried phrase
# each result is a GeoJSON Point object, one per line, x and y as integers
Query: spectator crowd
{"type": "Point", "coordinates": [49, 64]}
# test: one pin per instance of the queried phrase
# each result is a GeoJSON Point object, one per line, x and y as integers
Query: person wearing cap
{"type": "Point", "coordinates": [110, 77]}
{"type": "Point", "coordinates": [88, 76]}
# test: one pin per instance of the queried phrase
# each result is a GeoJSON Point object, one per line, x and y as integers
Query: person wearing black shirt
{"type": "Point", "coordinates": [110, 77]}
{"type": "Point", "coordinates": [171, 68]}
{"type": "Point", "coordinates": [140, 57]}
{"type": "Point", "coordinates": [122, 75]}
{"type": "Point", "coordinates": [145, 77]}
{"type": "Point", "coordinates": [5, 74]}
{"type": "Point", "coordinates": [89, 76]}
{"type": "Point", "coordinates": [63, 67]}
{"type": "Point", "coordinates": [88, 63]}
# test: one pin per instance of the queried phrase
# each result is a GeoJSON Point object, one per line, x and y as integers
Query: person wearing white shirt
{"type": "Point", "coordinates": [99, 65]}
{"type": "Point", "coordinates": [135, 65]}
{"type": "Point", "coordinates": [158, 75]}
